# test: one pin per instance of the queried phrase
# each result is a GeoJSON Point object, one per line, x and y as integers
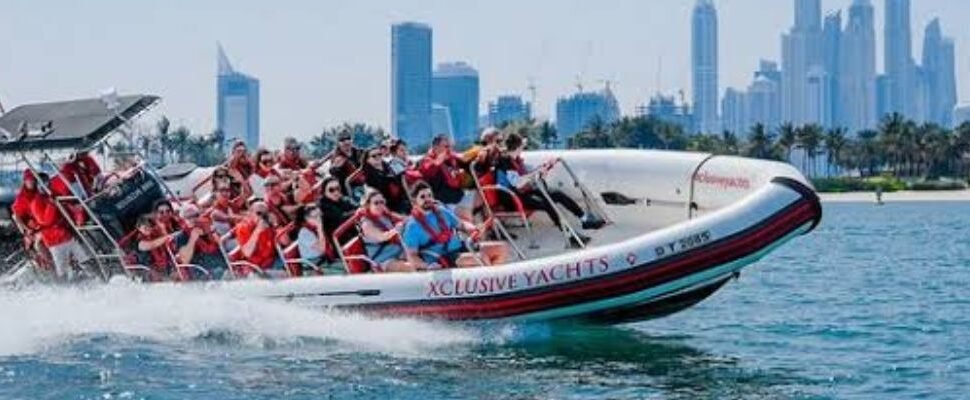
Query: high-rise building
{"type": "Point", "coordinates": [704, 66]}
{"type": "Point", "coordinates": [576, 112]}
{"type": "Point", "coordinates": [899, 65]}
{"type": "Point", "coordinates": [237, 103]}
{"type": "Point", "coordinates": [939, 76]}
{"type": "Point", "coordinates": [831, 49]}
{"type": "Point", "coordinates": [411, 82]}
{"type": "Point", "coordinates": [508, 109]}
{"type": "Point", "coordinates": [764, 102]}
{"type": "Point", "coordinates": [857, 69]}
{"type": "Point", "coordinates": [817, 97]}
{"type": "Point", "coordinates": [734, 113]}
{"type": "Point", "coordinates": [882, 97]}
{"type": "Point", "coordinates": [801, 50]}
{"type": "Point", "coordinates": [455, 86]}
{"type": "Point", "coordinates": [667, 109]}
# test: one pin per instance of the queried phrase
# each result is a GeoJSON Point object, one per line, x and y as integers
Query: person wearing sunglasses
{"type": "Point", "coordinates": [335, 208]}
{"type": "Point", "coordinates": [380, 231]}
{"type": "Point", "coordinates": [291, 160]}
{"type": "Point", "coordinates": [399, 158]}
{"type": "Point", "coordinates": [345, 159]}
{"type": "Point", "coordinates": [226, 210]}
{"type": "Point", "coordinates": [431, 240]}
{"type": "Point", "coordinates": [486, 152]}
{"type": "Point", "coordinates": [150, 247]}
{"type": "Point", "coordinates": [165, 218]}
{"type": "Point", "coordinates": [279, 199]}
{"type": "Point", "coordinates": [379, 175]}
{"type": "Point", "coordinates": [265, 167]}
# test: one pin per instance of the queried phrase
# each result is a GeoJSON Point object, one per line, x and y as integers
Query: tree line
{"type": "Point", "coordinates": [898, 146]}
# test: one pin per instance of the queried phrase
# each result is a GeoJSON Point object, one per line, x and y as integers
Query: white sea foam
{"type": "Point", "coordinates": [38, 318]}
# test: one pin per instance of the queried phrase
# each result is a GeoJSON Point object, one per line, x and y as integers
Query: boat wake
{"type": "Point", "coordinates": [39, 318]}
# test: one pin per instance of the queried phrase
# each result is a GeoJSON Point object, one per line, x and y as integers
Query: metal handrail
{"type": "Point", "coordinates": [692, 183]}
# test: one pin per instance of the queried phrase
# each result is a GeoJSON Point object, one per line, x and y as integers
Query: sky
{"type": "Point", "coordinates": [324, 62]}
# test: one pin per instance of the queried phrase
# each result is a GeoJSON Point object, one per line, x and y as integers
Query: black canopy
{"type": "Point", "coordinates": [67, 124]}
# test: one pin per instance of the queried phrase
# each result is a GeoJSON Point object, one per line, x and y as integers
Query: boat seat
{"type": "Point", "coordinates": [289, 251]}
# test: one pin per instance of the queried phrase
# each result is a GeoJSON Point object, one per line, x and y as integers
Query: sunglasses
{"type": "Point", "coordinates": [333, 189]}
{"type": "Point", "coordinates": [164, 211]}
{"type": "Point", "coordinates": [345, 140]}
{"type": "Point", "coordinates": [423, 196]}
{"type": "Point", "coordinates": [293, 148]}
{"type": "Point", "coordinates": [378, 202]}
{"type": "Point", "coordinates": [374, 155]}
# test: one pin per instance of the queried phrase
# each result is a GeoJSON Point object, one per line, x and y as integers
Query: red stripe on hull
{"type": "Point", "coordinates": [609, 286]}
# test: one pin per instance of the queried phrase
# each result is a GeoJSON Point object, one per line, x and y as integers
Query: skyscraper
{"type": "Point", "coordinates": [734, 112]}
{"type": "Point", "coordinates": [704, 66]}
{"type": "Point", "coordinates": [237, 103]}
{"type": "Point", "coordinates": [576, 112]}
{"type": "Point", "coordinates": [939, 77]}
{"type": "Point", "coordinates": [899, 66]}
{"type": "Point", "coordinates": [455, 86]}
{"type": "Point", "coordinates": [411, 82]}
{"type": "Point", "coordinates": [857, 66]}
{"type": "Point", "coordinates": [831, 49]}
{"type": "Point", "coordinates": [801, 50]}
{"type": "Point", "coordinates": [507, 109]}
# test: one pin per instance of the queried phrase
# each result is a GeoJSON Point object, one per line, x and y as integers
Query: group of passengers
{"type": "Point", "coordinates": [280, 212]}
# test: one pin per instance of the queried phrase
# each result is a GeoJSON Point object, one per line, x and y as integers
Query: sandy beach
{"type": "Point", "coordinates": [903, 196]}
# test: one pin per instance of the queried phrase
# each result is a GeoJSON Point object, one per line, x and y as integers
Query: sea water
{"type": "Point", "coordinates": [873, 304]}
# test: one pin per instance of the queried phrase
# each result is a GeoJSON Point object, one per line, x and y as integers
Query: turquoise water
{"type": "Point", "coordinates": [871, 305]}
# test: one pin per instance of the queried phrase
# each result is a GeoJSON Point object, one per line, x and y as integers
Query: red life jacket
{"type": "Point", "coordinates": [378, 221]}
{"type": "Point", "coordinates": [54, 229]}
{"type": "Point", "coordinates": [159, 258]}
{"type": "Point", "coordinates": [444, 233]}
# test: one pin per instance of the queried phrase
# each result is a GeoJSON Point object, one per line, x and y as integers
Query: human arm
{"type": "Point", "coordinates": [186, 252]}
{"type": "Point", "coordinates": [152, 244]}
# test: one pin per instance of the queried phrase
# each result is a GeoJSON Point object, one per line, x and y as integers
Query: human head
{"type": "Point", "coordinates": [373, 157]}
{"type": "Point", "coordinates": [514, 143]}
{"type": "Point", "coordinates": [385, 147]}
{"type": "Point", "coordinates": [272, 184]}
{"type": "Point", "coordinates": [291, 147]}
{"type": "Point", "coordinates": [399, 149]}
{"type": "Point", "coordinates": [30, 181]}
{"type": "Point", "coordinates": [441, 144]}
{"type": "Point", "coordinates": [490, 136]}
{"type": "Point", "coordinates": [345, 140]}
{"type": "Point", "coordinates": [190, 214]}
{"type": "Point", "coordinates": [331, 188]}
{"type": "Point", "coordinates": [258, 207]}
{"type": "Point", "coordinates": [239, 149]}
{"type": "Point", "coordinates": [423, 195]}
{"type": "Point", "coordinates": [163, 209]}
{"type": "Point", "coordinates": [264, 158]}
{"type": "Point", "coordinates": [145, 224]}
{"type": "Point", "coordinates": [374, 202]}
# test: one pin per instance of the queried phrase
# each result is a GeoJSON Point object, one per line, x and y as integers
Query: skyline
{"type": "Point", "coordinates": [325, 75]}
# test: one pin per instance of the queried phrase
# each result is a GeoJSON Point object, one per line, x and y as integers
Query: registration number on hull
{"type": "Point", "coordinates": [683, 244]}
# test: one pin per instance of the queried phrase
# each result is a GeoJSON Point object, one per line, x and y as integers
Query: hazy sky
{"type": "Point", "coordinates": [324, 62]}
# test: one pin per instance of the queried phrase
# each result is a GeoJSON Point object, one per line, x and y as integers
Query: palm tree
{"type": "Point", "coordinates": [759, 143]}
{"type": "Point", "coordinates": [179, 140]}
{"type": "Point", "coordinates": [163, 125]}
{"type": "Point", "coordinates": [548, 135]}
{"type": "Point", "coordinates": [809, 138]}
{"type": "Point", "coordinates": [730, 144]}
{"type": "Point", "coordinates": [786, 139]}
{"type": "Point", "coordinates": [835, 143]}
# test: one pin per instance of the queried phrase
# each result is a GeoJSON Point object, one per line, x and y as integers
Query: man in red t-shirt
{"type": "Point", "coordinates": [291, 160]}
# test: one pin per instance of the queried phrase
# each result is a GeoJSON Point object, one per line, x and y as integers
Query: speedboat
{"type": "Point", "coordinates": [679, 227]}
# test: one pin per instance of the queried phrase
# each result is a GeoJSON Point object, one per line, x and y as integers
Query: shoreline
{"type": "Point", "coordinates": [898, 197]}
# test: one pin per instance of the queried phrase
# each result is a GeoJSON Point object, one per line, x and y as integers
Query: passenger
{"type": "Point", "coordinates": [226, 211]}
{"type": "Point", "coordinates": [20, 209]}
{"type": "Point", "coordinates": [486, 153]}
{"type": "Point", "coordinates": [88, 171]}
{"type": "Point", "coordinates": [264, 168]}
{"type": "Point", "coordinates": [513, 174]}
{"type": "Point", "coordinates": [291, 160]}
{"type": "Point", "coordinates": [310, 236]}
{"type": "Point", "coordinates": [345, 159]}
{"type": "Point", "coordinates": [399, 159]}
{"type": "Point", "coordinates": [432, 228]}
{"type": "Point", "coordinates": [165, 218]}
{"type": "Point", "coordinates": [380, 230]}
{"type": "Point", "coordinates": [442, 170]}
{"type": "Point", "coordinates": [239, 160]}
{"type": "Point", "coordinates": [55, 234]}
{"type": "Point", "coordinates": [198, 244]}
{"type": "Point", "coordinates": [256, 238]}
{"type": "Point", "coordinates": [150, 248]}
{"type": "Point", "coordinates": [307, 191]}
{"type": "Point", "coordinates": [281, 205]}
{"type": "Point", "coordinates": [335, 209]}
{"type": "Point", "coordinates": [379, 175]}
